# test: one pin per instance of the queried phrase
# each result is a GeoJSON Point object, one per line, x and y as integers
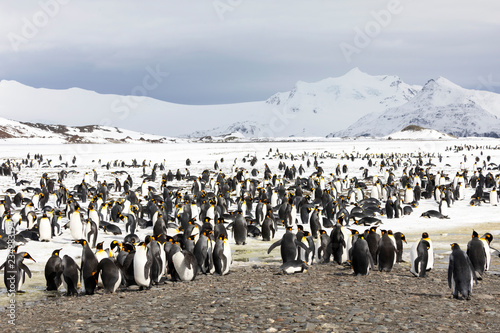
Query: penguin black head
{"type": "Point", "coordinates": [475, 234]}
{"type": "Point", "coordinates": [455, 246]}
{"type": "Point", "coordinates": [300, 227]}
{"type": "Point", "coordinates": [426, 235]}
{"type": "Point", "coordinates": [403, 238]}
{"type": "Point", "coordinates": [56, 252]}
{"type": "Point", "coordinates": [27, 256]}
{"type": "Point", "coordinates": [83, 242]}
{"type": "Point", "coordinates": [488, 237]}
{"type": "Point", "coordinates": [99, 246]}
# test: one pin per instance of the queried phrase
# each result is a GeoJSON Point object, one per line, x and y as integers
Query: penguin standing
{"type": "Point", "coordinates": [15, 271]}
{"type": "Point", "coordinates": [186, 265]}
{"type": "Point", "coordinates": [487, 238]}
{"type": "Point", "coordinates": [386, 253]}
{"type": "Point", "coordinates": [44, 228]}
{"type": "Point", "coordinates": [373, 240]}
{"type": "Point", "coordinates": [109, 274]}
{"type": "Point", "coordinates": [400, 238]}
{"type": "Point", "coordinates": [460, 273]}
{"type": "Point", "coordinates": [414, 254]}
{"type": "Point", "coordinates": [88, 267]}
{"type": "Point", "coordinates": [222, 257]}
{"type": "Point", "coordinates": [143, 261]}
{"type": "Point", "coordinates": [361, 258]}
{"type": "Point", "coordinates": [76, 225]}
{"type": "Point", "coordinates": [70, 275]}
{"type": "Point", "coordinates": [419, 265]}
{"type": "Point", "coordinates": [477, 255]}
{"type": "Point", "coordinates": [494, 197]}
{"type": "Point", "coordinates": [53, 271]}
{"type": "Point", "coordinates": [288, 246]}
{"type": "Point", "coordinates": [203, 252]}
{"type": "Point", "coordinates": [240, 229]}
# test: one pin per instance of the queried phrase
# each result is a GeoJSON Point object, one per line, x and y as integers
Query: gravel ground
{"type": "Point", "coordinates": [326, 298]}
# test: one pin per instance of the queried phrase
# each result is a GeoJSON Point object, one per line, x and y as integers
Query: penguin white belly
{"type": "Point", "coordinates": [430, 262]}
{"type": "Point", "coordinates": [45, 230]}
{"type": "Point", "coordinates": [140, 259]}
{"type": "Point", "coordinates": [227, 254]}
{"type": "Point", "coordinates": [413, 256]}
{"type": "Point", "coordinates": [488, 254]}
{"type": "Point", "coordinates": [185, 273]}
{"type": "Point", "coordinates": [76, 227]}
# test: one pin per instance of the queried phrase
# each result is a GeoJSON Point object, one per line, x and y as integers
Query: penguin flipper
{"type": "Point", "coordinates": [416, 264]}
{"type": "Point", "coordinates": [275, 244]}
{"type": "Point", "coordinates": [147, 268]}
{"type": "Point", "coordinates": [25, 268]}
{"type": "Point", "coordinates": [450, 271]}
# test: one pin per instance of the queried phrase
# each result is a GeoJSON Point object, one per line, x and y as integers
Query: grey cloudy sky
{"type": "Point", "coordinates": [223, 51]}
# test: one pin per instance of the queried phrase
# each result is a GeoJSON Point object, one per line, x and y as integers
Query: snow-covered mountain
{"type": "Point", "coordinates": [309, 109]}
{"type": "Point", "coordinates": [355, 104]}
{"type": "Point", "coordinates": [440, 105]}
{"type": "Point", "coordinates": [14, 131]}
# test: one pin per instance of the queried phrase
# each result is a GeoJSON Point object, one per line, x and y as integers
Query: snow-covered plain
{"type": "Point", "coordinates": [463, 217]}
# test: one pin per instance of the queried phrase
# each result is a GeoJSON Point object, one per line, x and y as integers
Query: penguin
{"type": "Point", "coordinates": [186, 265]}
{"type": "Point", "coordinates": [143, 261]}
{"type": "Point", "coordinates": [386, 252]}
{"type": "Point", "coordinates": [288, 246]}
{"type": "Point", "coordinates": [373, 240]}
{"type": "Point", "coordinates": [487, 238]}
{"type": "Point", "coordinates": [91, 230]}
{"type": "Point", "coordinates": [44, 229]}
{"type": "Point", "coordinates": [338, 244]}
{"type": "Point", "coordinates": [292, 267]}
{"type": "Point", "coordinates": [268, 229]}
{"type": "Point", "coordinates": [324, 249]}
{"type": "Point", "coordinates": [203, 251]}
{"type": "Point", "coordinates": [222, 256]}
{"type": "Point", "coordinates": [70, 275]}
{"type": "Point", "coordinates": [419, 265]}
{"type": "Point", "coordinates": [461, 275]}
{"type": "Point", "coordinates": [76, 225]}
{"type": "Point", "coordinates": [477, 255]}
{"type": "Point", "coordinates": [110, 275]}
{"type": "Point", "coordinates": [400, 238]}
{"type": "Point", "coordinates": [88, 268]}
{"type": "Point", "coordinates": [240, 229]}
{"type": "Point", "coordinates": [15, 271]}
{"type": "Point", "coordinates": [53, 271]}
{"type": "Point", "coordinates": [414, 254]}
{"type": "Point", "coordinates": [494, 197]}
{"type": "Point", "coordinates": [361, 258]}
{"type": "Point", "coordinates": [100, 253]}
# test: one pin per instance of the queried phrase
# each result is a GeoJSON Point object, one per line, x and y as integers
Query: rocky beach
{"type": "Point", "coordinates": [326, 298]}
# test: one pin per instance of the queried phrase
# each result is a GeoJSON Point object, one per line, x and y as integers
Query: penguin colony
{"type": "Point", "coordinates": [189, 220]}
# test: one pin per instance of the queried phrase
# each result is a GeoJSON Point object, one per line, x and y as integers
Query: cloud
{"type": "Point", "coordinates": [249, 51]}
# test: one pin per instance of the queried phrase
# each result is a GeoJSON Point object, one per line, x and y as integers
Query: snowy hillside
{"type": "Point", "coordinates": [309, 109]}
{"type": "Point", "coordinates": [414, 132]}
{"type": "Point", "coordinates": [440, 105]}
{"type": "Point", "coordinates": [13, 131]}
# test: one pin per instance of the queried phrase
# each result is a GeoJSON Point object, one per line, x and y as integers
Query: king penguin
{"type": "Point", "coordinates": [15, 271]}
{"type": "Point", "coordinates": [89, 267]}
{"type": "Point", "coordinates": [361, 258]}
{"type": "Point", "coordinates": [53, 271]}
{"type": "Point", "coordinates": [143, 261]}
{"type": "Point", "coordinates": [70, 275]}
{"type": "Point", "coordinates": [460, 273]}
{"type": "Point", "coordinates": [414, 254]}
{"type": "Point", "coordinates": [110, 275]}
{"type": "Point", "coordinates": [222, 257]}
{"type": "Point", "coordinates": [386, 252]}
